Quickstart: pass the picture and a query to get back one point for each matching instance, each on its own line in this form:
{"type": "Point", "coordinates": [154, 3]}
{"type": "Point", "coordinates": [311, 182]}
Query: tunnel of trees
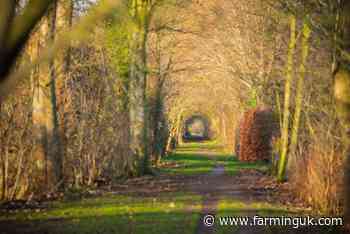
{"type": "Point", "coordinates": [103, 90]}
{"type": "Point", "coordinates": [197, 128]}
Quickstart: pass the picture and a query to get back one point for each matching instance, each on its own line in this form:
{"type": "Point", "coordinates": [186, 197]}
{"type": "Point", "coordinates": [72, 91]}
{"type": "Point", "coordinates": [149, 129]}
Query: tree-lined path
{"type": "Point", "coordinates": [146, 116]}
{"type": "Point", "coordinates": [198, 179]}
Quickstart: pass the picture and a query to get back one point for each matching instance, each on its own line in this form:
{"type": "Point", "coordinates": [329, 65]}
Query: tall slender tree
{"type": "Point", "coordinates": [287, 95]}
{"type": "Point", "coordinates": [299, 93]}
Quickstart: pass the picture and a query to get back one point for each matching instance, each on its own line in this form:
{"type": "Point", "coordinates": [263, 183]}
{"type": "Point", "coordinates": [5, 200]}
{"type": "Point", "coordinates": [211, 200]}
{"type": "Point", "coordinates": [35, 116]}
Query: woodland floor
{"type": "Point", "coordinates": [198, 179]}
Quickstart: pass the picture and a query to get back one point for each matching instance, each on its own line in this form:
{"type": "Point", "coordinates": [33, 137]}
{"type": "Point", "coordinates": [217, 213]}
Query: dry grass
{"type": "Point", "coordinates": [319, 178]}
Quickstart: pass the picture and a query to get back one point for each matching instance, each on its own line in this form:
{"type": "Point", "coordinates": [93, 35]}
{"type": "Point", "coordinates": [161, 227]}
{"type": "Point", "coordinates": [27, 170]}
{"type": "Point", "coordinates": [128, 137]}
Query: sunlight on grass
{"type": "Point", "coordinates": [193, 158]}
{"type": "Point", "coordinates": [200, 158]}
{"type": "Point", "coordinates": [233, 165]}
{"type": "Point", "coordinates": [209, 145]}
{"type": "Point", "coordinates": [118, 214]}
{"type": "Point", "coordinates": [186, 163]}
{"type": "Point", "coordinates": [235, 208]}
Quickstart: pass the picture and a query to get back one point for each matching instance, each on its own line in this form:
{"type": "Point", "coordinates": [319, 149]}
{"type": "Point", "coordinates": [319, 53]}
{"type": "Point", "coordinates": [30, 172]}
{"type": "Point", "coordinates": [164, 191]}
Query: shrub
{"type": "Point", "coordinates": [257, 129]}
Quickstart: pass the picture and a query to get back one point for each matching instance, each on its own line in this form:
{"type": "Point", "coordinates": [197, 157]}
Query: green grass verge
{"type": "Point", "coordinates": [115, 214]}
{"type": "Point", "coordinates": [200, 158]}
{"type": "Point", "coordinates": [167, 213]}
{"type": "Point", "coordinates": [202, 145]}
{"type": "Point", "coordinates": [235, 208]}
{"type": "Point", "coordinates": [233, 165]}
{"type": "Point", "coordinates": [187, 163]}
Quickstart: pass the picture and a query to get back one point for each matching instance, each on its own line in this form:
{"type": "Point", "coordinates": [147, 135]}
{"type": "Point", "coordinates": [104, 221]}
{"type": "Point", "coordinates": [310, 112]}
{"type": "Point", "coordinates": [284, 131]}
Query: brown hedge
{"type": "Point", "coordinates": [257, 128]}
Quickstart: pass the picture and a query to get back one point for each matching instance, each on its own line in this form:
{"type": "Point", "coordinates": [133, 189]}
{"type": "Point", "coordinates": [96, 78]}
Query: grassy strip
{"type": "Point", "coordinates": [113, 214]}
{"type": "Point", "coordinates": [187, 163]}
{"type": "Point", "coordinates": [233, 165]}
{"type": "Point", "coordinates": [236, 208]}
{"type": "Point", "coordinates": [200, 158]}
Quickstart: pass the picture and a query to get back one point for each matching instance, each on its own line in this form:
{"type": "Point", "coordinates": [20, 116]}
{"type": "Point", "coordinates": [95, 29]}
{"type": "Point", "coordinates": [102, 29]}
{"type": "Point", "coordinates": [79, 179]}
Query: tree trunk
{"type": "Point", "coordinates": [64, 23]}
{"type": "Point", "coordinates": [179, 130]}
{"type": "Point", "coordinates": [170, 140]}
{"type": "Point", "coordinates": [224, 129]}
{"type": "Point", "coordinates": [138, 106]}
{"type": "Point", "coordinates": [137, 102]}
{"type": "Point", "coordinates": [299, 96]}
{"type": "Point", "coordinates": [15, 32]}
{"type": "Point", "coordinates": [157, 118]}
{"type": "Point", "coordinates": [287, 94]}
{"type": "Point", "coordinates": [62, 62]}
{"type": "Point", "coordinates": [342, 95]}
{"type": "Point", "coordinates": [47, 152]}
